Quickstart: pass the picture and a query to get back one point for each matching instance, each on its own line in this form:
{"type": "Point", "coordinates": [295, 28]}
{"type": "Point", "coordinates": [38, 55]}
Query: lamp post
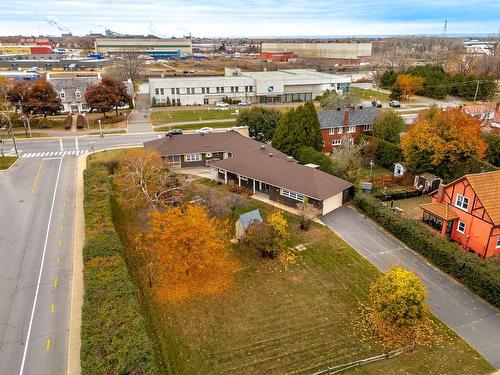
{"type": "Point", "coordinates": [100, 128]}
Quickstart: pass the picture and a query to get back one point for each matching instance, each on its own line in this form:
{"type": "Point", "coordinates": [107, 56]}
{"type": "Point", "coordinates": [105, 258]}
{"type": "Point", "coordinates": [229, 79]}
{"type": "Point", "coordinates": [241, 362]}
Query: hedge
{"type": "Point", "coordinates": [80, 122]}
{"type": "Point", "coordinates": [480, 276]}
{"type": "Point", "coordinates": [68, 122]}
{"type": "Point", "coordinates": [114, 336]}
{"type": "Point", "coordinates": [309, 155]}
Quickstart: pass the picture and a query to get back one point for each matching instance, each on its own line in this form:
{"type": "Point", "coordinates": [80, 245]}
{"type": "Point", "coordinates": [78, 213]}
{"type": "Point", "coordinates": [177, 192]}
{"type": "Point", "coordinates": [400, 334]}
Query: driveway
{"type": "Point", "coordinates": [474, 320]}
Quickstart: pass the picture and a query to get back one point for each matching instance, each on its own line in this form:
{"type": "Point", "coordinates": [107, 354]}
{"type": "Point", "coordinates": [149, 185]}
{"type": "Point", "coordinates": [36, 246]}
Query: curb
{"type": "Point", "coordinates": [74, 340]}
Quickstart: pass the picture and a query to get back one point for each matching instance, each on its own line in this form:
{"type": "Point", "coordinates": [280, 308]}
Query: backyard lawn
{"type": "Point", "coordinates": [7, 161]}
{"type": "Point", "coordinates": [411, 206]}
{"type": "Point", "coordinates": [298, 314]}
{"type": "Point", "coordinates": [370, 95]}
{"type": "Point", "coordinates": [200, 114]}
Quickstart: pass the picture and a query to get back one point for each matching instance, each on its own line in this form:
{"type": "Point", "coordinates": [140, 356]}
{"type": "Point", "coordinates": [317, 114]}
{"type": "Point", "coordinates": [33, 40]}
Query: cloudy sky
{"type": "Point", "coordinates": [249, 17]}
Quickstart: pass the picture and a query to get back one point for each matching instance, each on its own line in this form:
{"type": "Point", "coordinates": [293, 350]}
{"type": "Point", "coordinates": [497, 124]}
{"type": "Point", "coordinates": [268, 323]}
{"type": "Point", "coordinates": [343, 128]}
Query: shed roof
{"type": "Point", "coordinates": [250, 217]}
{"type": "Point", "coordinates": [440, 209]}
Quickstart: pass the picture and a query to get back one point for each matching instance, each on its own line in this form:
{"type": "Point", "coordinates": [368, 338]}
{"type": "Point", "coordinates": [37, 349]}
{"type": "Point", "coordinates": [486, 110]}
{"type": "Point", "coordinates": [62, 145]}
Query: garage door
{"type": "Point", "coordinates": [332, 203]}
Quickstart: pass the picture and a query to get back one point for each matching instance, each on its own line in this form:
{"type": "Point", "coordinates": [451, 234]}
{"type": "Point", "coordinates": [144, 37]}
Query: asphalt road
{"type": "Point", "coordinates": [36, 257]}
{"type": "Point", "coordinates": [473, 319]}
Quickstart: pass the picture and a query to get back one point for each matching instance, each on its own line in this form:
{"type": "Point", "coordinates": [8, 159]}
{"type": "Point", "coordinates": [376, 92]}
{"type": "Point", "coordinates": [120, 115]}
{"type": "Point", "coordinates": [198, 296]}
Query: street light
{"type": "Point", "coordinates": [100, 128]}
{"type": "Point", "coordinates": [11, 132]}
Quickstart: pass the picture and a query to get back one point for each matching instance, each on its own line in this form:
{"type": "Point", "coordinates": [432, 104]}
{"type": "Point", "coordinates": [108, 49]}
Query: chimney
{"type": "Point", "coordinates": [440, 194]}
{"type": "Point", "coordinates": [346, 117]}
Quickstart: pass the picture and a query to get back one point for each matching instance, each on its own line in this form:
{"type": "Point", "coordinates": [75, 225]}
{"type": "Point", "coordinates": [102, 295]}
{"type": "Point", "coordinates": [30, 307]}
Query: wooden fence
{"type": "Point", "coordinates": [362, 362]}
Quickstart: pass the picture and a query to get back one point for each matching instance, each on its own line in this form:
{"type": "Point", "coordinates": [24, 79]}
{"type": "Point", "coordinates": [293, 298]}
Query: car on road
{"type": "Point", "coordinates": [204, 130]}
{"type": "Point", "coordinates": [394, 104]}
{"type": "Point", "coordinates": [244, 103]}
{"type": "Point", "coordinates": [221, 104]}
{"type": "Point", "coordinates": [174, 132]}
{"type": "Point", "coordinates": [376, 104]}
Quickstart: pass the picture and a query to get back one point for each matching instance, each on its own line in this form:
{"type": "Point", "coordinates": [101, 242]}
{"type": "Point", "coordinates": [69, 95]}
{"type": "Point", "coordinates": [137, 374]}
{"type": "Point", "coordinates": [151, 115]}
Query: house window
{"type": "Point", "coordinates": [218, 90]}
{"type": "Point", "coordinates": [222, 90]}
{"type": "Point", "coordinates": [462, 202]}
{"type": "Point", "coordinates": [172, 91]}
{"type": "Point", "coordinates": [336, 142]}
{"type": "Point", "coordinates": [293, 195]}
{"type": "Point", "coordinates": [208, 90]}
{"type": "Point", "coordinates": [498, 242]}
{"type": "Point", "coordinates": [232, 88]}
{"type": "Point", "coordinates": [78, 95]}
{"type": "Point", "coordinates": [367, 127]}
{"type": "Point", "coordinates": [157, 91]}
{"type": "Point", "coordinates": [461, 227]}
{"type": "Point", "coordinates": [236, 88]}
{"type": "Point", "coordinates": [352, 128]}
{"type": "Point", "coordinates": [62, 95]}
{"type": "Point", "coordinates": [202, 90]}
{"type": "Point", "coordinates": [177, 91]}
{"type": "Point", "coordinates": [250, 88]}
{"type": "Point", "coordinates": [331, 131]}
{"type": "Point", "coordinates": [193, 157]}
{"type": "Point", "coordinates": [340, 130]}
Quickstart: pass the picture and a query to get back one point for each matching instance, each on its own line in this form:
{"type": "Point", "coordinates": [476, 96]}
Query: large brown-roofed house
{"type": "Point", "coordinates": [467, 211]}
{"type": "Point", "coordinates": [255, 165]}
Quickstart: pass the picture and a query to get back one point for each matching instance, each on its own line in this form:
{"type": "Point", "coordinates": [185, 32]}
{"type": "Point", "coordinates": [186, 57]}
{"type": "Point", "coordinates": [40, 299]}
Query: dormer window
{"type": "Point", "coordinates": [62, 95]}
{"type": "Point", "coordinates": [78, 95]}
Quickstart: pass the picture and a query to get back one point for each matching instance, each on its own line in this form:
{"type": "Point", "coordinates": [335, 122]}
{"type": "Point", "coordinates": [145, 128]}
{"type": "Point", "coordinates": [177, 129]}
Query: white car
{"type": "Point", "coordinates": [205, 130]}
{"type": "Point", "coordinates": [243, 103]}
{"type": "Point", "coordinates": [221, 104]}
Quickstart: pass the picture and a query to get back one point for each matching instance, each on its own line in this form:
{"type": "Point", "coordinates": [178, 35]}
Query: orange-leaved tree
{"type": "Point", "coordinates": [187, 253]}
{"type": "Point", "coordinates": [442, 137]}
{"type": "Point", "coordinates": [409, 84]}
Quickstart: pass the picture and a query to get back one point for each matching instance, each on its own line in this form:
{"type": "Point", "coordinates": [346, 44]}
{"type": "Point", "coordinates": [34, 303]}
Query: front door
{"type": "Point", "coordinates": [74, 108]}
{"type": "Point", "coordinates": [449, 228]}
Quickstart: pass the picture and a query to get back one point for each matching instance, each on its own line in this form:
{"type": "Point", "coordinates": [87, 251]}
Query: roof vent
{"type": "Point", "coordinates": [262, 147]}
{"type": "Point", "coordinates": [271, 154]}
{"type": "Point", "coordinates": [289, 158]}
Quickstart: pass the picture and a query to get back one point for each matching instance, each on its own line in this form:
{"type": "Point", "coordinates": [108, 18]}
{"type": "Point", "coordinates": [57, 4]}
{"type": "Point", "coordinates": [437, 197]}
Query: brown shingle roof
{"type": "Point", "coordinates": [231, 141]}
{"type": "Point", "coordinates": [487, 187]}
{"type": "Point", "coordinates": [308, 181]}
{"type": "Point", "coordinates": [441, 210]}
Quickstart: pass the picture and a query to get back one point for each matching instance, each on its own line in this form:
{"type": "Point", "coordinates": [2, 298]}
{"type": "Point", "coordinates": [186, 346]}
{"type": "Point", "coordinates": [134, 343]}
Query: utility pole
{"type": "Point", "coordinates": [477, 89]}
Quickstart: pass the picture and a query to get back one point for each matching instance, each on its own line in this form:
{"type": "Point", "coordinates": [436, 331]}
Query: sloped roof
{"type": "Point", "coordinates": [440, 209]}
{"type": "Point", "coordinates": [230, 141]}
{"type": "Point", "coordinates": [332, 118]}
{"type": "Point", "coordinates": [72, 84]}
{"type": "Point", "coordinates": [288, 175]}
{"type": "Point", "coordinates": [487, 187]}
{"type": "Point", "coordinates": [250, 217]}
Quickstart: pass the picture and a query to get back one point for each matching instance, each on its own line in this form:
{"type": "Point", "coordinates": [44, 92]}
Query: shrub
{"type": "Point", "coordinates": [68, 122]}
{"type": "Point", "coordinates": [482, 277]}
{"type": "Point", "coordinates": [307, 213]}
{"type": "Point", "coordinates": [399, 297]}
{"type": "Point", "coordinates": [309, 155]}
{"type": "Point", "coordinates": [268, 237]}
{"type": "Point", "coordinates": [80, 122]}
{"type": "Point", "coordinates": [235, 188]}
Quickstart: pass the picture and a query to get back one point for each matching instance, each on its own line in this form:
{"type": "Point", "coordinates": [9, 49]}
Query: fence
{"type": "Point", "coordinates": [362, 362]}
{"type": "Point", "coordinates": [399, 195]}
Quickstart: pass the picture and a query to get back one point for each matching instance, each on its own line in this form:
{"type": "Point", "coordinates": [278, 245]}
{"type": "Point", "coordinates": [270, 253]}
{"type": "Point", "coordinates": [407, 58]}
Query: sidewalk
{"type": "Point", "coordinates": [139, 120]}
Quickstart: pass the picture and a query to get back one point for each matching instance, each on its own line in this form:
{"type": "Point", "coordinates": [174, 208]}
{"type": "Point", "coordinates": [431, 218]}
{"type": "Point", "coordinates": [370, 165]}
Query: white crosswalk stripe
{"type": "Point", "coordinates": [52, 154]}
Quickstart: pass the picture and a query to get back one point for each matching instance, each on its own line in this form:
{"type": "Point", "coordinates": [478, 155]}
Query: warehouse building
{"type": "Point", "coordinates": [154, 47]}
{"type": "Point", "coordinates": [282, 86]}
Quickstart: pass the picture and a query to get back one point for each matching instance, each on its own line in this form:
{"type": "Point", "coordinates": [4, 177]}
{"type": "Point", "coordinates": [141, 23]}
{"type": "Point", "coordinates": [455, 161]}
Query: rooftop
{"type": "Point", "coordinates": [332, 118]}
{"type": "Point", "coordinates": [285, 174]}
{"type": "Point", "coordinates": [250, 217]}
{"type": "Point", "coordinates": [441, 210]}
{"type": "Point", "coordinates": [487, 187]}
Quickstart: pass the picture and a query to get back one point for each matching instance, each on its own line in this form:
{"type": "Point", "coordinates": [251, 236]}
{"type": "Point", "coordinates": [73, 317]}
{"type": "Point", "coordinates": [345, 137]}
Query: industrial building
{"type": "Point", "coordinates": [50, 62]}
{"type": "Point", "coordinates": [352, 52]}
{"type": "Point", "coordinates": [25, 49]}
{"type": "Point", "coordinates": [281, 86]}
{"type": "Point", "coordinates": [154, 47]}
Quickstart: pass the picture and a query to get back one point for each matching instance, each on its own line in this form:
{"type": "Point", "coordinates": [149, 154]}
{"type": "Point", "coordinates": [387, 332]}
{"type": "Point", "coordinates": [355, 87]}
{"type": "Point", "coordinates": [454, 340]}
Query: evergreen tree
{"type": "Point", "coordinates": [396, 92]}
{"type": "Point", "coordinates": [311, 127]}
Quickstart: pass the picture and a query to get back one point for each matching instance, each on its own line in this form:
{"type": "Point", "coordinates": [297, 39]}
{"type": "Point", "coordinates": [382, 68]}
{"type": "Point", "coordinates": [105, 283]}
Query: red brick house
{"type": "Point", "coordinates": [336, 123]}
{"type": "Point", "coordinates": [467, 211]}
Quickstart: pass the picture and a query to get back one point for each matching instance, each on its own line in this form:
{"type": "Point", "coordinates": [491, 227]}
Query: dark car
{"type": "Point", "coordinates": [174, 132]}
{"type": "Point", "coordinates": [376, 104]}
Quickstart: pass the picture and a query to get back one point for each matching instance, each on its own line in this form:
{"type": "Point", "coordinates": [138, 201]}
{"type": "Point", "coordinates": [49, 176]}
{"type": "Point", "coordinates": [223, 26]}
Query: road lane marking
{"type": "Point", "coordinates": [52, 308]}
{"type": "Point", "coordinates": [60, 243]}
{"type": "Point", "coordinates": [48, 344]}
{"type": "Point", "coordinates": [58, 260]}
{"type": "Point", "coordinates": [62, 227]}
{"type": "Point", "coordinates": [56, 280]}
{"type": "Point", "coordinates": [76, 144]}
{"type": "Point", "coordinates": [21, 371]}
{"type": "Point", "coordinates": [61, 144]}
{"type": "Point", "coordinates": [36, 177]}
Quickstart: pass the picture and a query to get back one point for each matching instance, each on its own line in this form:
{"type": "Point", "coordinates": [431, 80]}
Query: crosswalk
{"type": "Point", "coordinates": [52, 154]}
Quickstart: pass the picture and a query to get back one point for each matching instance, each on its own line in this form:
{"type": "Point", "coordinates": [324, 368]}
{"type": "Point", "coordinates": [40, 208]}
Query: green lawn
{"type": "Point", "coordinates": [7, 161]}
{"type": "Point", "coordinates": [371, 95]}
{"type": "Point", "coordinates": [298, 317]}
{"type": "Point", "coordinates": [226, 124]}
{"type": "Point", "coordinates": [376, 172]}
{"type": "Point", "coordinates": [162, 117]}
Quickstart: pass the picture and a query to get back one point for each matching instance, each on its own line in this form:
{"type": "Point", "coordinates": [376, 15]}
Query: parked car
{"type": "Point", "coordinates": [243, 103]}
{"type": "Point", "coordinates": [376, 104]}
{"type": "Point", "coordinates": [221, 104]}
{"type": "Point", "coordinates": [174, 132]}
{"type": "Point", "coordinates": [394, 104]}
{"type": "Point", "coordinates": [204, 130]}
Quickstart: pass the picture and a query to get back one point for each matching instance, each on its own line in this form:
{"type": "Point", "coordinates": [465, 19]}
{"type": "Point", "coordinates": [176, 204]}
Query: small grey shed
{"type": "Point", "coordinates": [245, 220]}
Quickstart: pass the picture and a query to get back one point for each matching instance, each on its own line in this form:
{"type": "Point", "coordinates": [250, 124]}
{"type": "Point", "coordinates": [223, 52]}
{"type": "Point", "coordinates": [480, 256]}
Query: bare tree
{"type": "Point", "coordinates": [129, 66]}
{"type": "Point", "coordinates": [307, 213]}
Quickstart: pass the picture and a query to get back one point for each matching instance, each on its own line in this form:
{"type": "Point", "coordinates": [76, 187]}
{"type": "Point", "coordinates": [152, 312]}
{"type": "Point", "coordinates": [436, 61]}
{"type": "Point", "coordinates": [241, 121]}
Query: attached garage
{"type": "Point", "coordinates": [332, 203]}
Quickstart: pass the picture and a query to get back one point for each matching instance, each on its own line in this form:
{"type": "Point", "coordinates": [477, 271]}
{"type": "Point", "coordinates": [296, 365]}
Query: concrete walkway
{"type": "Point", "coordinates": [139, 120]}
{"type": "Point", "coordinates": [474, 320]}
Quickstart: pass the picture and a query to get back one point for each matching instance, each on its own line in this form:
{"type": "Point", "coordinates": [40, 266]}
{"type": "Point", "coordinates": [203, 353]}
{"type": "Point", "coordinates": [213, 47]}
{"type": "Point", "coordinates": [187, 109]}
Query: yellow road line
{"type": "Point", "coordinates": [55, 281]}
{"type": "Point", "coordinates": [60, 243]}
{"type": "Point", "coordinates": [62, 215]}
{"type": "Point", "coordinates": [48, 344]}
{"type": "Point", "coordinates": [36, 177]}
{"type": "Point", "coordinates": [62, 227]}
{"type": "Point", "coordinates": [58, 260]}
{"type": "Point", "coordinates": [52, 308]}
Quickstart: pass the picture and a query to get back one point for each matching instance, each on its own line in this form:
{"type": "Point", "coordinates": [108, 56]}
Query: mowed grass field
{"type": "Point", "coordinates": [293, 316]}
{"type": "Point", "coordinates": [215, 125]}
{"type": "Point", "coordinates": [365, 94]}
{"type": "Point", "coordinates": [7, 161]}
{"type": "Point", "coordinates": [184, 115]}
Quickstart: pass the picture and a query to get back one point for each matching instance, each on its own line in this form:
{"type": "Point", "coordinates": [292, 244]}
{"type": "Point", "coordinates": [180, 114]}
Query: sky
{"type": "Point", "coordinates": [249, 18]}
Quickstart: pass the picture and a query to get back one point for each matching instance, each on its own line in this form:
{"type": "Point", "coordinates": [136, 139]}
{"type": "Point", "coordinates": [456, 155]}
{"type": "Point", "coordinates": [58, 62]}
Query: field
{"type": "Point", "coordinates": [198, 125]}
{"type": "Point", "coordinates": [370, 95]}
{"type": "Point", "coordinates": [298, 315]}
{"type": "Point", "coordinates": [7, 161]}
{"type": "Point", "coordinates": [190, 115]}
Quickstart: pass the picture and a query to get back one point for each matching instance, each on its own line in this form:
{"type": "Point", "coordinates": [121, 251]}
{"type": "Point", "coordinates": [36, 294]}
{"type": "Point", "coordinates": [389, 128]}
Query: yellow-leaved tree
{"type": "Point", "coordinates": [409, 84]}
{"type": "Point", "coordinates": [187, 253]}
